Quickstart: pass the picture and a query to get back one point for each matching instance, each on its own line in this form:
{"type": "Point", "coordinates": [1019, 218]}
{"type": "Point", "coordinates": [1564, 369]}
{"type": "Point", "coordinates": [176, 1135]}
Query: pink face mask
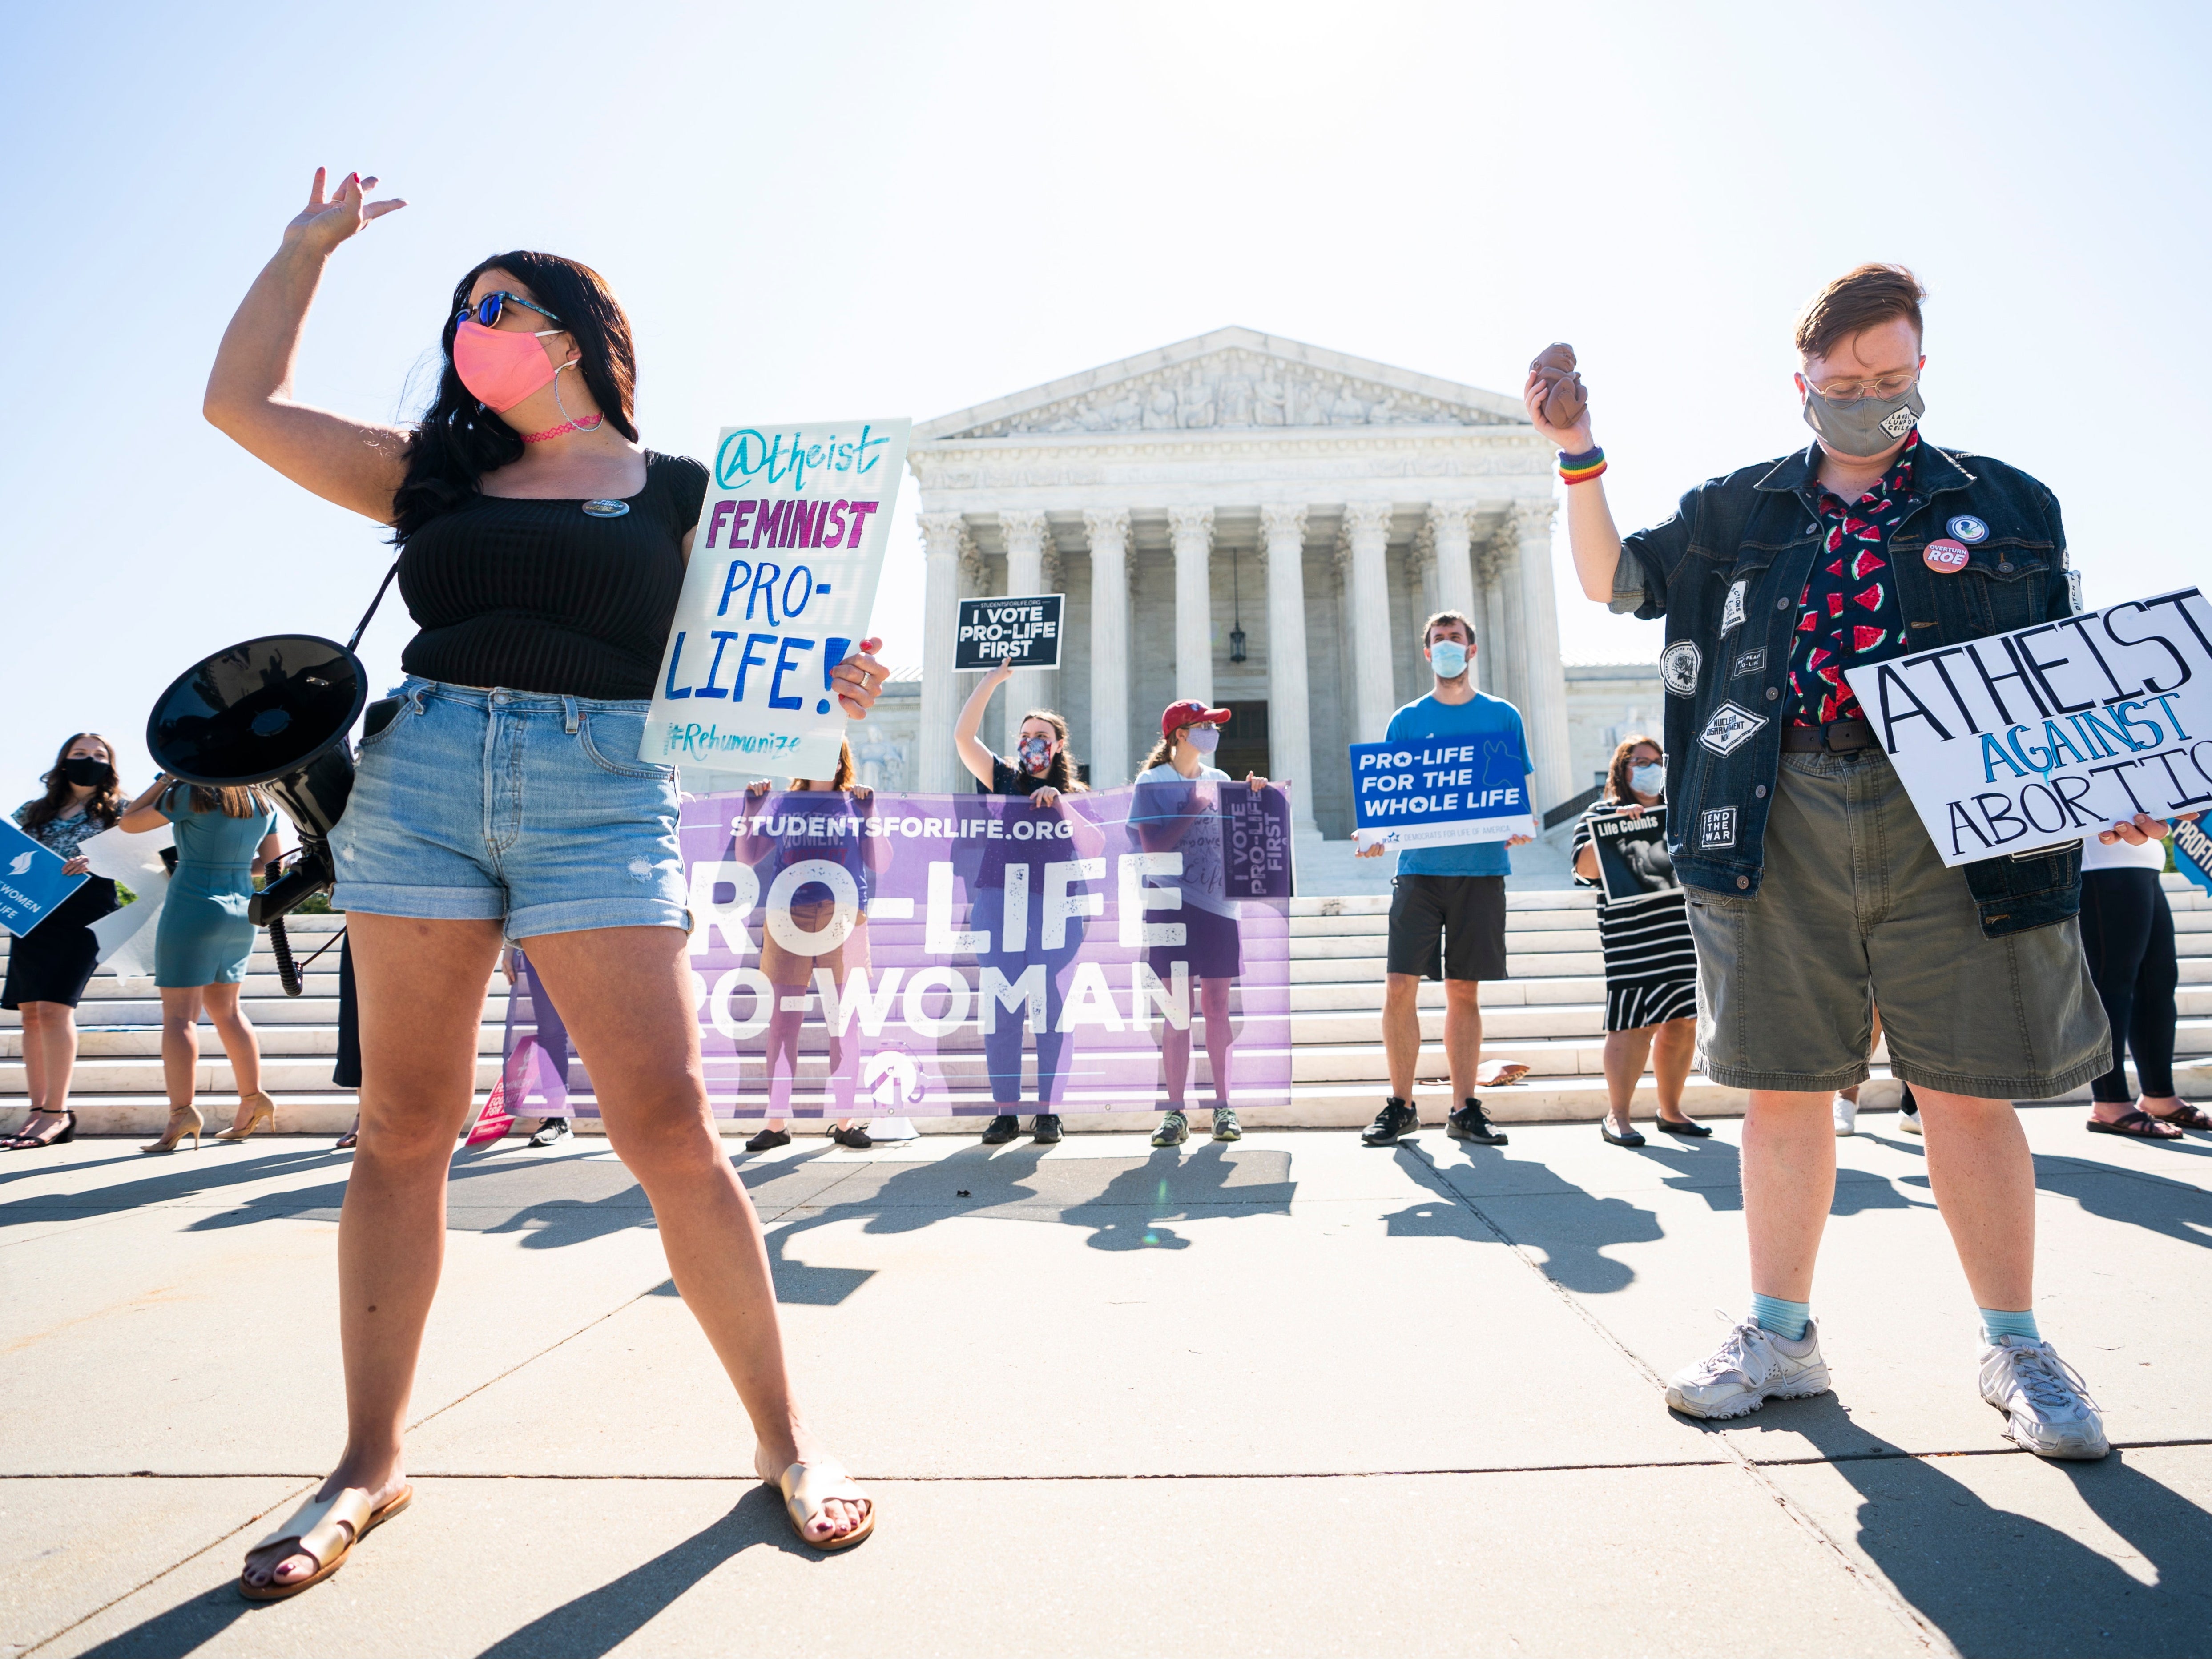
{"type": "Point", "coordinates": [500, 366]}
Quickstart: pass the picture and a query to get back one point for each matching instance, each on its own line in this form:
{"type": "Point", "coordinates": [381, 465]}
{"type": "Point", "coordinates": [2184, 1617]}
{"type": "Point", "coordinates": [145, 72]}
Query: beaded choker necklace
{"type": "Point", "coordinates": [589, 424]}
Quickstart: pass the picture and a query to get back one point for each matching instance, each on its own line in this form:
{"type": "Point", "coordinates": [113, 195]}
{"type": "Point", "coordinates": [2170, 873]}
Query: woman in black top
{"type": "Point", "coordinates": [542, 551]}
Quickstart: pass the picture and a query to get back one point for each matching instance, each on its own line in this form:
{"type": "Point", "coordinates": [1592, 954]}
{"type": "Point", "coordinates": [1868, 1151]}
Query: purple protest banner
{"type": "Point", "coordinates": [931, 956]}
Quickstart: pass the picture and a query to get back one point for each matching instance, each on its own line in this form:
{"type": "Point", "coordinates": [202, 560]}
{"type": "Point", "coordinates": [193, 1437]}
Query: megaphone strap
{"type": "Point", "coordinates": [362, 628]}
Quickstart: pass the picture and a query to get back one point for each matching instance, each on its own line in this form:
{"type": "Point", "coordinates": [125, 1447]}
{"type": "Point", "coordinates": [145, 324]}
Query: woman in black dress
{"type": "Point", "coordinates": [499, 797]}
{"type": "Point", "coordinates": [49, 968]}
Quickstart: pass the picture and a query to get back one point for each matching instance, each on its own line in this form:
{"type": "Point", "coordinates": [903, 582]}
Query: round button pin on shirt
{"type": "Point", "coordinates": [607, 509]}
{"type": "Point", "coordinates": [1945, 557]}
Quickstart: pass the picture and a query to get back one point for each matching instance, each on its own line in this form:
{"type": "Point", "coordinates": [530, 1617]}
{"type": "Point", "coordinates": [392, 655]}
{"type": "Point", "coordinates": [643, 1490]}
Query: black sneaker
{"type": "Point", "coordinates": [855, 1136]}
{"type": "Point", "coordinates": [1225, 1126]}
{"type": "Point", "coordinates": [552, 1130]}
{"type": "Point", "coordinates": [1045, 1131]}
{"type": "Point", "coordinates": [767, 1139]}
{"type": "Point", "coordinates": [1174, 1130]}
{"type": "Point", "coordinates": [1471, 1122]}
{"type": "Point", "coordinates": [1001, 1129]}
{"type": "Point", "coordinates": [1396, 1118]}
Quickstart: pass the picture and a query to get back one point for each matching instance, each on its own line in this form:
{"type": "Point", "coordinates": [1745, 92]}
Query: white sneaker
{"type": "Point", "coordinates": [1909, 1121]}
{"type": "Point", "coordinates": [1847, 1115]}
{"type": "Point", "coordinates": [892, 1128]}
{"type": "Point", "coordinates": [1751, 1368]}
{"type": "Point", "coordinates": [2047, 1407]}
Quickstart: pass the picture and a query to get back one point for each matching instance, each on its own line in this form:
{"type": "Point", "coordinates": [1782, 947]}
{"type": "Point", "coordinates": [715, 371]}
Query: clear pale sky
{"type": "Point", "coordinates": [832, 210]}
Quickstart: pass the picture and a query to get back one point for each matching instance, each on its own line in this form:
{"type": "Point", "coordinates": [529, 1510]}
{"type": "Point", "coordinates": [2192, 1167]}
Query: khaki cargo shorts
{"type": "Point", "coordinates": [1855, 912]}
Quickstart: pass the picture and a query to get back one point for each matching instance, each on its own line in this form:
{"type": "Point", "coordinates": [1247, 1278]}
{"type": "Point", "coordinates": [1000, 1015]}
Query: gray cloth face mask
{"type": "Point", "coordinates": [1867, 427]}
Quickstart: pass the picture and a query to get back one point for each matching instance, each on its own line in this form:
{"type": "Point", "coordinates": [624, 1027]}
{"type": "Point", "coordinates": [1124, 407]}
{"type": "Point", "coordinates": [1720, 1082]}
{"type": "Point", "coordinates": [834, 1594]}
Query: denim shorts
{"type": "Point", "coordinates": [513, 806]}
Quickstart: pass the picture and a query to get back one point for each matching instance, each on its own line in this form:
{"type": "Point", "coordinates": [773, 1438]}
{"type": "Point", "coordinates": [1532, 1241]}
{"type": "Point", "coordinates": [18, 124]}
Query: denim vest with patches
{"type": "Point", "coordinates": [1726, 570]}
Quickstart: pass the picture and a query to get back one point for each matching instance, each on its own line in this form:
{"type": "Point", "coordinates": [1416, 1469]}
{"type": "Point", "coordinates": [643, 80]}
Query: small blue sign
{"type": "Point", "coordinates": [32, 884]}
{"type": "Point", "coordinates": [2192, 853]}
{"type": "Point", "coordinates": [1440, 792]}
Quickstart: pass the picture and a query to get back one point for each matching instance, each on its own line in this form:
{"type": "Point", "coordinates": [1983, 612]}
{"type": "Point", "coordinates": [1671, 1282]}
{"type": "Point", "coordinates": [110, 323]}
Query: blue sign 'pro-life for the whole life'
{"type": "Point", "coordinates": [1439, 792]}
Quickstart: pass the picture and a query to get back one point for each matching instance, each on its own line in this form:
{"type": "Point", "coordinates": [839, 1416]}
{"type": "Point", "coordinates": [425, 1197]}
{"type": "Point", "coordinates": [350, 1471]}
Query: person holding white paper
{"type": "Point", "coordinates": [1815, 891]}
{"type": "Point", "coordinates": [500, 796]}
{"type": "Point", "coordinates": [1447, 903]}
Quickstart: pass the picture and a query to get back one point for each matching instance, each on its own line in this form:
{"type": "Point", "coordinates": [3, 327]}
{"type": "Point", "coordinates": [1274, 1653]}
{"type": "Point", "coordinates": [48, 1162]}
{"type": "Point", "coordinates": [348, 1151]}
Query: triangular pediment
{"type": "Point", "coordinates": [1233, 378]}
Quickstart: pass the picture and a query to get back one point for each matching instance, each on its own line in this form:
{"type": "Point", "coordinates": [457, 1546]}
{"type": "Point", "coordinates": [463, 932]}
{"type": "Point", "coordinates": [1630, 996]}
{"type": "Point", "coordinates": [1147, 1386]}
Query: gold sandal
{"type": "Point", "coordinates": [807, 1488]}
{"type": "Point", "coordinates": [265, 1115]}
{"type": "Point", "coordinates": [325, 1529]}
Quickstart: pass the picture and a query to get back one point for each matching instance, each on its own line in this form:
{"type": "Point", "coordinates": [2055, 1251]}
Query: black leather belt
{"type": "Point", "coordinates": [1837, 735]}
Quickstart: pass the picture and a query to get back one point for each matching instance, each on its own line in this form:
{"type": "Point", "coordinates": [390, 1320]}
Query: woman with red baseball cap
{"type": "Point", "coordinates": [1177, 809]}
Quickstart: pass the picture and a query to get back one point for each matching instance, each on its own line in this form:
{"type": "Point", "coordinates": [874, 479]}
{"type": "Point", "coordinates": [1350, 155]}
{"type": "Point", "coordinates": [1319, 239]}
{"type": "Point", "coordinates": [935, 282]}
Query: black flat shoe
{"type": "Point", "coordinates": [1001, 1129]}
{"type": "Point", "coordinates": [1632, 1139]}
{"type": "Point", "coordinates": [768, 1141]}
{"type": "Point", "coordinates": [856, 1137]}
{"type": "Point", "coordinates": [1694, 1131]}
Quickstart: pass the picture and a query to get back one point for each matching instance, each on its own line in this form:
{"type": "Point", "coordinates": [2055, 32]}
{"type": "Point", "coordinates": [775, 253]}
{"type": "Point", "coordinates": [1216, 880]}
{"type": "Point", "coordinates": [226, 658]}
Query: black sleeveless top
{"type": "Point", "coordinates": [541, 596]}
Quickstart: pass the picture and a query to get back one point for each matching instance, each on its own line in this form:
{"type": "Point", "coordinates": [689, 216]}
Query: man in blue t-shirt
{"type": "Point", "coordinates": [1447, 903]}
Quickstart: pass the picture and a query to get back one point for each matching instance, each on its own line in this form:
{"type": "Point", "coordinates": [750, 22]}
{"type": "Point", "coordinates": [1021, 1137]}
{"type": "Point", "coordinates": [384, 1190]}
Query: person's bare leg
{"type": "Point", "coordinates": [1175, 1059]}
{"type": "Point", "coordinates": [1213, 1002]}
{"type": "Point", "coordinates": [49, 1052]}
{"type": "Point", "coordinates": [1401, 1031]}
{"type": "Point", "coordinates": [421, 989]}
{"type": "Point", "coordinates": [35, 1054]}
{"type": "Point", "coordinates": [180, 1044]}
{"type": "Point", "coordinates": [1625, 1054]}
{"type": "Point", "coordinates": [1673, 1052]}
{"type": "Point", "coordinates": [627, 994]}
{"type": "Point", "coordinates": [240, 1046]}
{"type": "Point", "coordinates": [1983, 1178]}
{"type": "Point", "coordinates": [1789, 1184]}
{"type": "Point", "coordinates": [1462, 1036]}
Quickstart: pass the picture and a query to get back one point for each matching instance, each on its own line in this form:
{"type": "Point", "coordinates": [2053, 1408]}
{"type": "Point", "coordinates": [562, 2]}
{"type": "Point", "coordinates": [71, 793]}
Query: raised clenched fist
{"type": "Point", "coordinates": [1565, 401]}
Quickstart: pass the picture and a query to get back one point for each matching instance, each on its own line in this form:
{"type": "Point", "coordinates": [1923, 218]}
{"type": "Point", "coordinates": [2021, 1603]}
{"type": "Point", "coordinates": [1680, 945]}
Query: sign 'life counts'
{"type": "Point", "coordinates": [2034, 739]}
{"type": "Point", "coordinates": [781, 582]}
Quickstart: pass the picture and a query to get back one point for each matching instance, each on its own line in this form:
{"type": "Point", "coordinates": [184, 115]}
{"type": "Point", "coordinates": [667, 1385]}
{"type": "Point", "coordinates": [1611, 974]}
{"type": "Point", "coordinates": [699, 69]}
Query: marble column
{"type": "Point", "coordinates": [1367, 529]}
{"type": "Point", "coordinates": [1450, 524]}
{"type": "Point", "coordinates": [936, 765]}
{"type": "Point", "coordinates": [1290, 727]}
{"type": "Point", "coordinates": [1505, 551]}
{"type": "Point", "coordinates": [1193, 529]}
{"type": "Point", "coordinates": [1108, 753]}
{"type": "Point", "coordinates": [1025, 537]}
{"type": "Point", "coordinates": [1545, 714]}
{"type": "Point", "coordinates": [1490, 662]}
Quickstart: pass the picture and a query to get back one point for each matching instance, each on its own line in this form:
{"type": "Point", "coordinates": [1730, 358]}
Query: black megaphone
{"type": "Point", "coordinates": [273, 712]}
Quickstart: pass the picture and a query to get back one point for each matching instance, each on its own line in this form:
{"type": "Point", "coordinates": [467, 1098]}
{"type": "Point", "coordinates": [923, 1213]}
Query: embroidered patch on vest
{"type": "Point", "coordinates": [1748, 662]}
{"type": "Point", "coordinates": [1732, 610]}
{"type": "Point", "coordinates": [1731, 727]}
{"type": "Point", "coordinates": [1717, 828]}
{"type": "Point", "coordinates": [1678, 667]}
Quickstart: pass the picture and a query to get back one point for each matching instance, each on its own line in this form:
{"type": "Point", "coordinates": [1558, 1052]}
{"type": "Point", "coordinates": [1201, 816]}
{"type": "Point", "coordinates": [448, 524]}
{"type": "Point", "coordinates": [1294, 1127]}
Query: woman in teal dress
{"type": "Point", "coordinates": [224, 837]}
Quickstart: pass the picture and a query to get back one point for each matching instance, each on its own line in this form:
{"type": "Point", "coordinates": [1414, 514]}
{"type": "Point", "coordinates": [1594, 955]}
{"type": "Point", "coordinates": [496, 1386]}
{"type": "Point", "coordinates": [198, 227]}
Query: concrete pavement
{"type": "Point", "coordinates": [1291, 1395]}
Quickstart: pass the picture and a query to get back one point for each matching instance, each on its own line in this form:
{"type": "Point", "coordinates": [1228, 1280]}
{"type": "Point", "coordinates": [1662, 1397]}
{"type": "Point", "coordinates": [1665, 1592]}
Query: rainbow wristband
{"type": "Point", "coordinates": [1581, 469]}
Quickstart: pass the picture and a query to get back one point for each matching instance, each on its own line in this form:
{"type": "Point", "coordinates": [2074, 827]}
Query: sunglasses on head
{"type": "Point", "coordinates": [487, 310]}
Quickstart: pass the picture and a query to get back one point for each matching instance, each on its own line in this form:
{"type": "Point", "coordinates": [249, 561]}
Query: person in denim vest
{"type": "Point", "coordinates": [1814, 890]}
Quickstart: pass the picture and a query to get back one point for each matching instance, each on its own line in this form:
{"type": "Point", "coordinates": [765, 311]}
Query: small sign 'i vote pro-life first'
{"type": "Point", "coordinates": [781, 582]}
{"type": "Point", "coordinates": [1019, 632]}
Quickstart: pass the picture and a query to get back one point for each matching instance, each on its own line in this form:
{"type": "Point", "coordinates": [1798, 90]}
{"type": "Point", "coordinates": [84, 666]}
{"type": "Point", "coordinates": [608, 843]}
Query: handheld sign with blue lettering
{"type": "Point", "coordinates": [782, 582]}
{"type": "Point", "coordinates": [2032, 739]}
{"type": "Point", "coordinates": [32, 884]}
{"type": "Point", "coordinates": [2192, 853]}
{"type": "Point", "coordinates": [1439, 792]}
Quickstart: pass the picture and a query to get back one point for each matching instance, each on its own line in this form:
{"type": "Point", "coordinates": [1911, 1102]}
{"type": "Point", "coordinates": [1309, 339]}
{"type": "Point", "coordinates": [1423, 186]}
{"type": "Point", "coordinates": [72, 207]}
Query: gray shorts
{"type": "Point", "coordinates": [1855, 912]}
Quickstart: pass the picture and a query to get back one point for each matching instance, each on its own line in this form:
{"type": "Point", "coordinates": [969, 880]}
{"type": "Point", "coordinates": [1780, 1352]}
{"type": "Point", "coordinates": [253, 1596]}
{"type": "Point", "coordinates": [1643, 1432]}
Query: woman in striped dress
{"type": "Point", "coordinates": [1650, 962]}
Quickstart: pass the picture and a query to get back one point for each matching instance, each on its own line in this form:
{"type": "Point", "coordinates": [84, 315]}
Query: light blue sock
{"type": "Point", "coordinates": [1996, 1324]}
{"type": "Point", "coordinates": [1787, 1319]}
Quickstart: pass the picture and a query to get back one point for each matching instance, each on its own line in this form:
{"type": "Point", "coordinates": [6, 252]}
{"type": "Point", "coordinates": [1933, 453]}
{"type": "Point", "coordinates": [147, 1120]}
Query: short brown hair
{"type": "Point", "coordinates": [1857, 301]}
{"type": "Point", "coordinates": [1617, 769]}
{"type": "Point", "coordinates": [1429, 627]}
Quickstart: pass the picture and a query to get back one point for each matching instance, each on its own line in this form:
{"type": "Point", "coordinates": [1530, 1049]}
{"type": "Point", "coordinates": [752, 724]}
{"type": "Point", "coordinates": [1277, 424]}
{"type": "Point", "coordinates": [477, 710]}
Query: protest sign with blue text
{"type": "Point", "coordinates": [783, 577]}
{"type": "Point", "coordinates": [31, 881]}
{"type": "Point", "coordinates": [2034, 739]}
{"type": "Point", "coordinates": [1439, 792]}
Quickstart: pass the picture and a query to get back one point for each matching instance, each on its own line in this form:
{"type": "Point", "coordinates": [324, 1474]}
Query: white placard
{"type": "Point", "coordinates": [2034, 739]}
{"type": "Point", "coordinates": [127, 936]}
{"type": "Point", "coordinates": [779, 587]}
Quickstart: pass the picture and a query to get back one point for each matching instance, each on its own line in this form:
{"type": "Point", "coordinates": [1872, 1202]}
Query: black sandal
{"type": "Point", "coordinates": [2135, 1126]}
{"type": "Point", "coordinates": [31, 1143]}
{"type": "Point", "coordinates": [2189, 1117]}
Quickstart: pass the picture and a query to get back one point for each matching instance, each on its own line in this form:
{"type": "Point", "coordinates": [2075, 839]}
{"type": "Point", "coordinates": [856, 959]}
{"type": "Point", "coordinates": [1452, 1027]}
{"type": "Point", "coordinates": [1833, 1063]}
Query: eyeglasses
{"type": "Point", "coordinates": [487, 310]}
{"type": "Point", "coordinates": [1852, 391]}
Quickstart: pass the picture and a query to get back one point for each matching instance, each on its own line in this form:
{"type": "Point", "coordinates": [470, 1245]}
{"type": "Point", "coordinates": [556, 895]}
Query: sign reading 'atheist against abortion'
{"type": "Point", "coordinates": [2037, 738]}
{"type": "Point", "coordinates": [1434, 792]}
{"type": "Point", "coordinates": [779, 590]}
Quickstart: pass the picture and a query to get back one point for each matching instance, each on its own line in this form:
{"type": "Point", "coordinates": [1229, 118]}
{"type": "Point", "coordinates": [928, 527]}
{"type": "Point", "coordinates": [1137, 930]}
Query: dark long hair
{"type": "Point", "coordinates": [457, 440]}
{"type": "Point", "coordinates": [1062, 774]}
{"type": "Point", "coordinates": [106, 805]}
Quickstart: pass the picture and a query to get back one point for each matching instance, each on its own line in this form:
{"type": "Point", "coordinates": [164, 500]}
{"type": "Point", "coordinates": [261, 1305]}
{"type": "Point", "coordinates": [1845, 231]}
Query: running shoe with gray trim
{"type": "Point", "coordinates": [1752, 1367]}
{"type": "Point", "coordinates": [2047, 1405]}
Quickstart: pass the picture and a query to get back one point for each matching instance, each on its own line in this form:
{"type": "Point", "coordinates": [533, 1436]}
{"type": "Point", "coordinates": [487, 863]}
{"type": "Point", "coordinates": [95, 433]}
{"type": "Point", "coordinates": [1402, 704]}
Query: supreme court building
{"type": "Point", "coordinates": [1254, 522]}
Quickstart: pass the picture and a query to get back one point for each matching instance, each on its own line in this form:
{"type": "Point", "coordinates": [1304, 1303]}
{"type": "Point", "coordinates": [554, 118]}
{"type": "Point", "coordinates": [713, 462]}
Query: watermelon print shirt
{"type": "Point", "coordinates": [1849, 614]}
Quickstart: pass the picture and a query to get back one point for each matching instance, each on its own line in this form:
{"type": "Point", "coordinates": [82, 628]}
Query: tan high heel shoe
{"type": "Point", "coordinates": [183, 1121]}
{"type": "Point", "coordinates": [265, 1113]}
